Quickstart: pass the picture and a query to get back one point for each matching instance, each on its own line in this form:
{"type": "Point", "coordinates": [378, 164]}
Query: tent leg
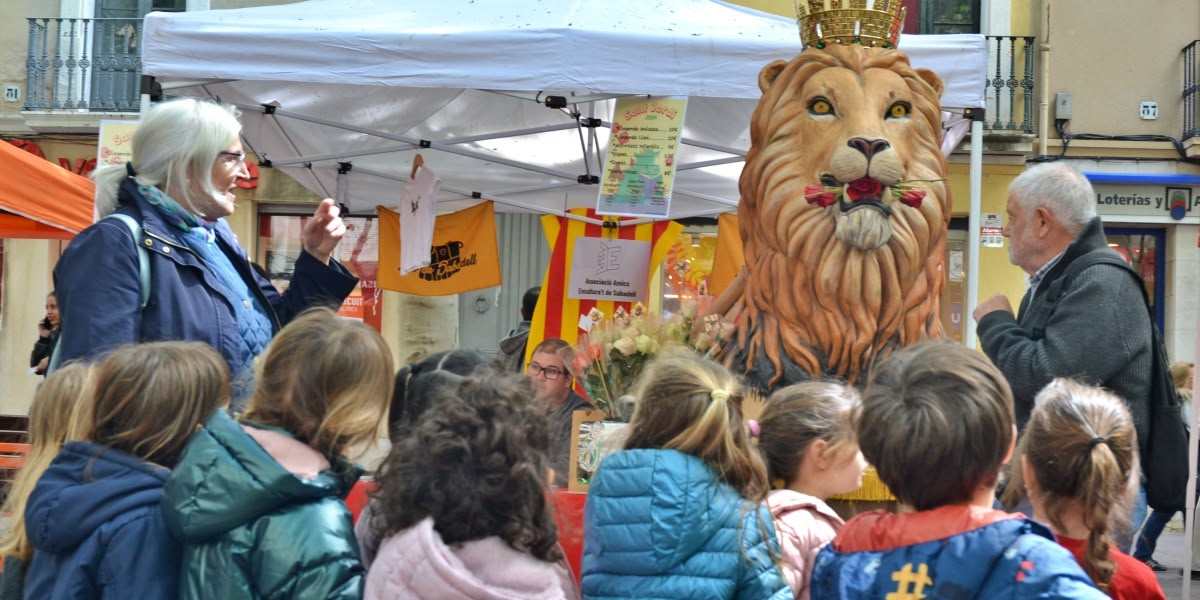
{"type": "Point", "coordinates": [973, 218]}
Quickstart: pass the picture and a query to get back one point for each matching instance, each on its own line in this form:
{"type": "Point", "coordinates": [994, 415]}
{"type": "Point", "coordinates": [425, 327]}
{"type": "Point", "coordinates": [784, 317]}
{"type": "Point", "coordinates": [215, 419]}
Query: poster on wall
{"type": "Point", "coordinates": [640, 169]}
{"type": "Point", "coordinates": [991, 230]}
{"type": "Point", "coordinates": [610, 269]}
{"type": "Point", "coordinates": [116, 142]}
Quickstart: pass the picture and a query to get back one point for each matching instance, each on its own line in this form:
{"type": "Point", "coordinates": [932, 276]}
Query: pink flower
{"type": "Point", "coordinates": [816, 194]}
{"type": "Point", "coordinates": [912, 198]}
{"type": "Point", "coordinates": [864, 188]}
{"type": "Point", "coordinates": [625, 346]}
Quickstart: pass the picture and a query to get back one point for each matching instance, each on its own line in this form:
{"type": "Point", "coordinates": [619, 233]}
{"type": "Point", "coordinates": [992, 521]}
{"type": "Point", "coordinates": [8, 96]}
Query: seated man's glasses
{"type": "Point", "coordinates": [550, 373]}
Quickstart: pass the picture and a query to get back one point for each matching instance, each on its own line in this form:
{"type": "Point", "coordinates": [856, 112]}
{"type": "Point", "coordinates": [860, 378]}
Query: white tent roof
{"type": "Point", "coordinates": [368, 82]}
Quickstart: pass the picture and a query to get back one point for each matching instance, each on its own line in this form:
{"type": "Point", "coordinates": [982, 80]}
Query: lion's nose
{"type": "Point", "coordinates": [868, 147]}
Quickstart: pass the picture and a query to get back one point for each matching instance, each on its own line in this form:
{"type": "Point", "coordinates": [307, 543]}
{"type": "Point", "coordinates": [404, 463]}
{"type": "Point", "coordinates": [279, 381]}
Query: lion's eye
{"type": "Point", "coordinates": [820, 106]}
{"type": "Point", "coordinates": [899, 110]}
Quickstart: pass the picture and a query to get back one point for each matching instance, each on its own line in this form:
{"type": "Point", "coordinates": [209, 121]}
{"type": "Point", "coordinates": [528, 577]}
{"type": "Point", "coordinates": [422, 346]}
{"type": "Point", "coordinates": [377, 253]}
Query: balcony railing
{"type": "Point", "coordinates": [83, 65]}
{"type": "Point", "coordinates": [1191, 91]}
{"type": "Point", "coordinates": [1010, 85]}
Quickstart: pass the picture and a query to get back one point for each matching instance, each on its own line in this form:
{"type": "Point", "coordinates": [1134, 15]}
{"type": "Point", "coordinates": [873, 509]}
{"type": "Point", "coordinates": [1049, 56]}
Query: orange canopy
{"type": "Point", "coordinates": [41, 199]}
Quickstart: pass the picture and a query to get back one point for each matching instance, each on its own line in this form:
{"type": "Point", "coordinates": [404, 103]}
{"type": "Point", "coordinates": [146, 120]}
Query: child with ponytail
{"type": "Point", "coordinates": [677, 513]}
{"type": "Point", "coordinates": [1079, 466]}
{"type": "Point", "coordinates": [806, 437]}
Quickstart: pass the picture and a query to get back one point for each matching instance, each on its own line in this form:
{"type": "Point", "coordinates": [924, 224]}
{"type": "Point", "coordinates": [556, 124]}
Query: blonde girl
{"type": "Point", "coordinates": [95, 517]}
{"type": "Point", "coordinates": [58, 414]}
{"type": "Point", "coordinates": [806, 437]}
{"type": "Point", "coordinates": [1079, 468]}
{"type": "Point", "coordinates": [258, 503]}
{"type": "Point", "coordinates": [677, 513]}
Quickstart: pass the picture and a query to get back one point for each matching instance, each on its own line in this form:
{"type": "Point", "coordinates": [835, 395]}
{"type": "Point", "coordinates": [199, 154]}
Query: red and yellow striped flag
{"type": "Point", "coordinates": [557, 315]}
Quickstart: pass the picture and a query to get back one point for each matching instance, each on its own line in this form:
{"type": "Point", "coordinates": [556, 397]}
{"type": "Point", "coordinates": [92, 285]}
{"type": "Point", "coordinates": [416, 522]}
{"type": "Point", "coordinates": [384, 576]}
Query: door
{"type": "Point", "coordinates": [116, 55]}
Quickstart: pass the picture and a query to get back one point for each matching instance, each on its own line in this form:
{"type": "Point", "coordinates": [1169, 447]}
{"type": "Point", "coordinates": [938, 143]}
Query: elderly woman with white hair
{"type": "Point", "coordinates": [187, 158]}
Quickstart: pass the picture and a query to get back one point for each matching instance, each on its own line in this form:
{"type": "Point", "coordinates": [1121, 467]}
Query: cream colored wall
{"type": "Point", "coordinates": [14, 46]}
{"type": "Point", "coordinates": [26, 284]}
{"type": "Point", "coordinates": [1110, 61]}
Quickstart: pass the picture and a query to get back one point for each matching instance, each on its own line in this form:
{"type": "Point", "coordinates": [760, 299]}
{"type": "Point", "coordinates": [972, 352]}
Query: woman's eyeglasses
{"type": "Point", "coordinates": [240, 156]}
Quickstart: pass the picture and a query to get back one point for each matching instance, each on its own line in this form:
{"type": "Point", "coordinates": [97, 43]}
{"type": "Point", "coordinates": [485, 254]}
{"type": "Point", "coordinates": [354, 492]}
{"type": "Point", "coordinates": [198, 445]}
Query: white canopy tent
{"type": "Point", "coordinates": [357, 87]}
{"type": "Point", "coordinates": [368, 83]}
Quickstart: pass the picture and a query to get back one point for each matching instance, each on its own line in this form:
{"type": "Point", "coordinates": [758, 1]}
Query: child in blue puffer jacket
{"type": "Point", "coordinates": [937, 422]}
{"type": "Point", "coordinates": [678, 513]}
{"type": "Point", "coordinates": [95, 517]}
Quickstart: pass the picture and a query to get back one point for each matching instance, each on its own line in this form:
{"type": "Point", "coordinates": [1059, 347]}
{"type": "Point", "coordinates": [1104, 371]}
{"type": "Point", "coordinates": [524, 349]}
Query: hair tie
{"type": "Point", "coordinates": [719, 394]}
{"type": "Point", "coordinates": [1097, 440]}
{"type": "Point", "coordinates": [129, 169]}
{"type": "Point", "coordinates": [754, 427]}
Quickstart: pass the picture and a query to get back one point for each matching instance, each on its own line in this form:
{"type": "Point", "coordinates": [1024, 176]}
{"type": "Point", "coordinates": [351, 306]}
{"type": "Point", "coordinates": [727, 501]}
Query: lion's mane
{"type": "Point", "coordinates": [812, 305]}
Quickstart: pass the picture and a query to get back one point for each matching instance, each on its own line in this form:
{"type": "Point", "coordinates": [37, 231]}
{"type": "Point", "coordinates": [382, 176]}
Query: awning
{"type": "Point", "coordinates": [41, 199]}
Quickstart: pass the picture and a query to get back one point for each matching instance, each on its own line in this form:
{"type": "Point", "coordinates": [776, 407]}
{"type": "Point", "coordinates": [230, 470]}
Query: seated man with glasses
{"type": "Point", "coordinates": [548, 369]}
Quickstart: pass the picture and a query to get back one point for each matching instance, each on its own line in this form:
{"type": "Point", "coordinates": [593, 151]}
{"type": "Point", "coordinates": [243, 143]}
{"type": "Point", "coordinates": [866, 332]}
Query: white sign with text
{"type": "Point", "coordinates": [610, 269]}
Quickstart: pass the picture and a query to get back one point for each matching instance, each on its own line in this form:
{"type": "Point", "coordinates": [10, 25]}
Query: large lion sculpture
{"type": "Point", "coordinates": [843, 217]}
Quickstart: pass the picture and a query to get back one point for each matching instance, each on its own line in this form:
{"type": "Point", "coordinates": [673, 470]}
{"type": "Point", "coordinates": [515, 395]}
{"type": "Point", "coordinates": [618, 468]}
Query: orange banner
{"type": "Point", "coordinates": [464, 255]}
{"type": "Point", "coordinates": [728, 259]}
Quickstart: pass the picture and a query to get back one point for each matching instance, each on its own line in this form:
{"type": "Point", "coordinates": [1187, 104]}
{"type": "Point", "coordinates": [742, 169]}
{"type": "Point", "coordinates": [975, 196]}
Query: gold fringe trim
{"type": "Point", "coordinates": [872, 489]}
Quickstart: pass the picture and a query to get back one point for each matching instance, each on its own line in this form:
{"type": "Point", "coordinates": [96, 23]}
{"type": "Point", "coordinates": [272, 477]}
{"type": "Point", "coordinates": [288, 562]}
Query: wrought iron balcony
{"type": "Point", "coordinates": [1191, 91]}
{"type": "Point", "coordinates": [1010, 90]}
{"type": "Point", "coordinates": [83, 65]}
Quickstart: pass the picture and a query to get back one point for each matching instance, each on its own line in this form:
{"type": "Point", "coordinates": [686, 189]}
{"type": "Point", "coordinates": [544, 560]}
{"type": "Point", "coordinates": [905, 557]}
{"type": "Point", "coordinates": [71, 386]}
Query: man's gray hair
{"type": "Point", "coordinates": [1061, 189]}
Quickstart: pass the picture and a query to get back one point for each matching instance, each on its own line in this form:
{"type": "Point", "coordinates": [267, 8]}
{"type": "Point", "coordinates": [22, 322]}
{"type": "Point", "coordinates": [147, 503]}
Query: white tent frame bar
{"type": "Point", "coordinates": [485, 197]}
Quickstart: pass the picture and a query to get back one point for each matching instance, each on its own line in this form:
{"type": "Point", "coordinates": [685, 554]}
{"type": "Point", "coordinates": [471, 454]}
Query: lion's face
{"type": "Point", "coordinates": [843, 214]}
{"type": "Point", "coordinates": [850, 132]}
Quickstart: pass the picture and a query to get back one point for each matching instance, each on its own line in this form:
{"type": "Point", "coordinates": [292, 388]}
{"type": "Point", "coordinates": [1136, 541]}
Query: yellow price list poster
{"type": "Point", "coordinates": [640, 170]}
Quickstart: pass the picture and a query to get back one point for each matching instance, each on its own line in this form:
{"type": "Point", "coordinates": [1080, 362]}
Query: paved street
{"type": "Point", "coordinates": [1170, 552]}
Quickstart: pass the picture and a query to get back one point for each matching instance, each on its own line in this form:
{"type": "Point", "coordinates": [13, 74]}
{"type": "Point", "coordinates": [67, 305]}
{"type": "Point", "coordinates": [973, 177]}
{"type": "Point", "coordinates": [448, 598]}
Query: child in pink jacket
{"type": "Point", "coordinates": [462, 504]}
{"type": "Point", "coordinates": [806, 437]}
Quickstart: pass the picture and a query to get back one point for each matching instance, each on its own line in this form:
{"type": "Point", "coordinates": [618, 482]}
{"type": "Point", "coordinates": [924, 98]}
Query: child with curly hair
{"type": "Point", "coordinates": [806, 437]}
{"type": "Point", "coordinates": [1079, 467]}
{"type": "Point", "coordinates": [462, 505]}
{"type": "Point", "coordinates": [258, 503]}
{"type": "Point", "coordinates": [678, 513]}
{"type": "Point", "coordinates": [59, 413]}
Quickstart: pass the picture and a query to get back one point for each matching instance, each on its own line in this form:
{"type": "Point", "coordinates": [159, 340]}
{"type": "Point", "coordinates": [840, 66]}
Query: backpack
{"type": "Point", "coordinates": [135, 230]}
{"type": "Point", "coordinates": [1164, 454]}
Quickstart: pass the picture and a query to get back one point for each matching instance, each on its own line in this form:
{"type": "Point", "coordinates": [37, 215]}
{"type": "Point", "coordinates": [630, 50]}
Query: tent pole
{"type": "Point", "coordinates": [497, 199]}
{"type": "Point", "coordinates": [711, 163]}
{"type": "Point", "coordinates": [973, 219]}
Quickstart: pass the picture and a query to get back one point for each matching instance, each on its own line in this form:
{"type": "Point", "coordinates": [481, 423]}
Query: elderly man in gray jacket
{"type": "Point", "coordinates": [1093, 327]}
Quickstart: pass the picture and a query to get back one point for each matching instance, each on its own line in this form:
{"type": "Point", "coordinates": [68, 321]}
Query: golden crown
{"type": "Point", "coordinates": [871, 23]}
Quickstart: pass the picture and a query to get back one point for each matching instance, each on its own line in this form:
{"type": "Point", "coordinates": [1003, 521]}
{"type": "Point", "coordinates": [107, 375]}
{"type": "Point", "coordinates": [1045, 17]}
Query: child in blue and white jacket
{"type": "Point", "coordinates": [937, 423]}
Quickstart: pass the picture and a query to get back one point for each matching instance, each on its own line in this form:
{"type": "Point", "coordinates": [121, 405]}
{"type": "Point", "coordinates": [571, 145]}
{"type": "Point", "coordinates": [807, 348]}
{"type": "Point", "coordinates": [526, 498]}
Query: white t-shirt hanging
{"type": "Point", "coordinates": [417, 217]}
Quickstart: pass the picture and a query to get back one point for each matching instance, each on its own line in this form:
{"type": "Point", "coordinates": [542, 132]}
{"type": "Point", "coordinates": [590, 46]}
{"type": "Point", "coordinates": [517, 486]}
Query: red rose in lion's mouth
{"type": "Point", "coordinates": [864, 188]}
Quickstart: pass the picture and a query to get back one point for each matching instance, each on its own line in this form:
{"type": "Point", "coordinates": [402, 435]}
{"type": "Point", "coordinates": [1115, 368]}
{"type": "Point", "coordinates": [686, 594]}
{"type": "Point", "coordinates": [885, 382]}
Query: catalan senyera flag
{"type": "Point", "coordinates": [728, 259]}
{"type": "Point", "coordinates": [463, 257]}
{"type": "Point", "coordinates": [557, 315]}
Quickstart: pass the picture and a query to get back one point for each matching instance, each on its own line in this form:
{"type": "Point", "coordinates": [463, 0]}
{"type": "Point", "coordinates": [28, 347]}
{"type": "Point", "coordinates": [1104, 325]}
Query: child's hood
{"type": "Point", "coordinates": [879, 531]}
{"type": "Point", "coordinates": [230, 475]}
{"type": "Point", "coordinates": [85, 488]}
{"type": "Point", "coordinates": [481, 569]}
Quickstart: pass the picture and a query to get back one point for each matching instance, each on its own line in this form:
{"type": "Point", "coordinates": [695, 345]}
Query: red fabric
{"type": "Point", "coordinates": [568, 513]}
{"type": "Point", "coordinates": [1132, 580]}
{"type": "Point", "coordinates": [356, 500]}
{"type": "Point", "coordinates": [880, 530]}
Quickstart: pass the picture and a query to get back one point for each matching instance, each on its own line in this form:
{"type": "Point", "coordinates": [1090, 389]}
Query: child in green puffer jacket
{"type": "Point", "coordinates": [258, 502]}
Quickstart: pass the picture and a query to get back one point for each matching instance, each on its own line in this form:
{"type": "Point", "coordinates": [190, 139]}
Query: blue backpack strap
{"type": "Point", "coordinates": [135, 230]}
